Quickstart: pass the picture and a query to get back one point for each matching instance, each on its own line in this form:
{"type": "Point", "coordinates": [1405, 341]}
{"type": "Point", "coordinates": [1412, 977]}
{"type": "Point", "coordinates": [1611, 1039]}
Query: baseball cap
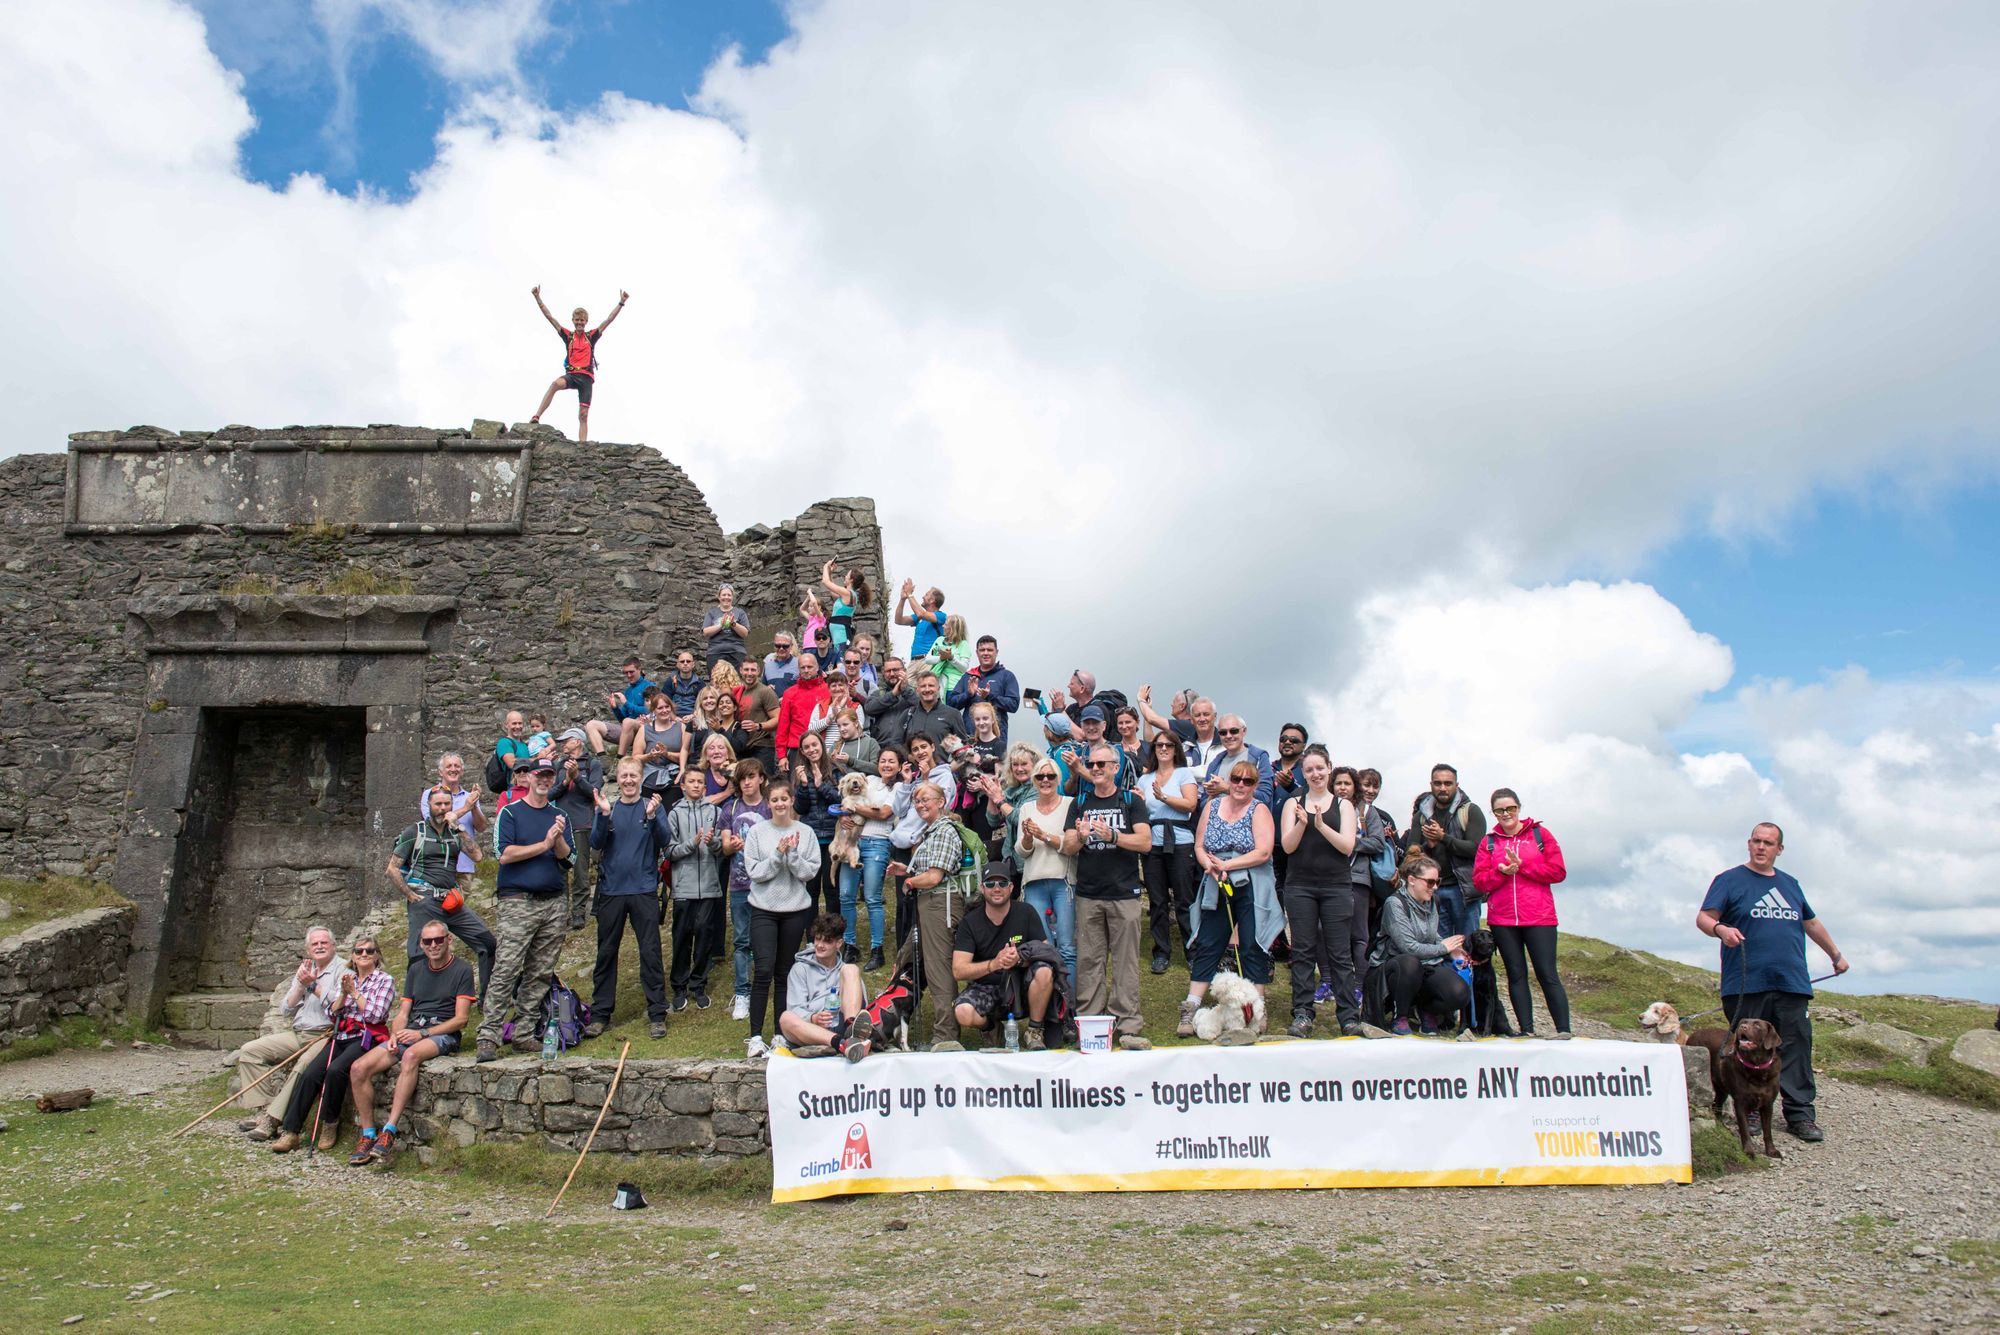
{"type": "Point", "coordinates": [573, 735]}
{"type": "Point", "coordinates": [998, 873]}
{"type": "Point", "coordinates": [1057, 723]}
{"type": "Point", "coordinates": [1091, 713]}
{"type": "Point", "coordinates": [539, 765]}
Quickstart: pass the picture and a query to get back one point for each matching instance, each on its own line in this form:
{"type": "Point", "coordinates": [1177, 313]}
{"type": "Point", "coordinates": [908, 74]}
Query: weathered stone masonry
{"type": "Point", "coordinates": [233, 657]}
{"type": "Point", "coordinates": [72, 966]}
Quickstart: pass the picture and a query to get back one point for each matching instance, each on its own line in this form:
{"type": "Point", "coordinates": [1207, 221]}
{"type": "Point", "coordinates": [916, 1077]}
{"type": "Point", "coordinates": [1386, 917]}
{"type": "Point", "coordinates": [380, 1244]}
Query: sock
{"type": "Point", "coordinates": [389, 1128]}
{"type": "Point", "coordinates": [368, 1131]}
{"type": "Point", "coordinates": [1193, 1000]}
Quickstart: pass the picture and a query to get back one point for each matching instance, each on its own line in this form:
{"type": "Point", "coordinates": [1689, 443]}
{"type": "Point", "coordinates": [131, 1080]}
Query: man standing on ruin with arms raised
{"type": "Point", "coordinates": [579, 359]}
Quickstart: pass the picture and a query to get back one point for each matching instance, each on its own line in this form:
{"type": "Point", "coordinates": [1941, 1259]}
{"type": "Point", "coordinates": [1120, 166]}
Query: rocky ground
{"type": "Point", "coordinates": [1890, 1225]}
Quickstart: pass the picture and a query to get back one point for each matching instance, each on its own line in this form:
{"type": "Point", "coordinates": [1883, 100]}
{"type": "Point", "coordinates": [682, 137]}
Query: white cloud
{"type": "Point", "coordinates": [1892, 828]}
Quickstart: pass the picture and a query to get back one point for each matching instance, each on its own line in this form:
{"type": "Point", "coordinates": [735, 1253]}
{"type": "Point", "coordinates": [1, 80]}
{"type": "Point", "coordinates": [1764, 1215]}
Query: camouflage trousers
{"type": "Point", "coordinates": [531, 936]}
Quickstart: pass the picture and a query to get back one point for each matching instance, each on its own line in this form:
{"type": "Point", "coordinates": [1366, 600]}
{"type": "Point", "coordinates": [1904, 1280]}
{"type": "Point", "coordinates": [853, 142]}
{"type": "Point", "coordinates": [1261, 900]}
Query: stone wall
{"type": "Point", "coordinates": [770, 567]}
{"type": "Point", "coordinates": [71, 966]}
{"type": "Point", "coordinates": [166, 592]}
{"type": "Point", "coordinates": [694, 1108]}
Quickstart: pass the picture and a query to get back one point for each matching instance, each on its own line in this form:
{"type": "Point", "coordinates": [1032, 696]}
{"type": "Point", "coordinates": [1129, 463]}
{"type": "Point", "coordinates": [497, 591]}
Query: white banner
{"type": "Point", "coordinates": [1336, 1113]}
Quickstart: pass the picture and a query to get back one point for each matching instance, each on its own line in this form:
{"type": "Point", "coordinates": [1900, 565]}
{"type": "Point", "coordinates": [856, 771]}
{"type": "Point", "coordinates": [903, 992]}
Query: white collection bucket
{"type": "Point", "coordinates": [1093, 1033]}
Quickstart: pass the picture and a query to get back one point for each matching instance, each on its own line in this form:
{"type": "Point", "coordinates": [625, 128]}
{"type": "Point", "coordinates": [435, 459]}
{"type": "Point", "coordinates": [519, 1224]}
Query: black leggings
{"type": "Point", "coordinates": [331, 1094]}
{"type": "Point", "coordinates": [773, 937]}
{"type": "Point", "coordinates": [1541, 950]}
{"type": "Point", "coordinates": [1433, 982]}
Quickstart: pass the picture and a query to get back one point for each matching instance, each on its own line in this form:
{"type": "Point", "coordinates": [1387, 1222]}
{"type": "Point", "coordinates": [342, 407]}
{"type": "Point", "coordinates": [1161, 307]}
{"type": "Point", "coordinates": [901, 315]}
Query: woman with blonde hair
{"type": "Point", "coordinates": [1238, 892]}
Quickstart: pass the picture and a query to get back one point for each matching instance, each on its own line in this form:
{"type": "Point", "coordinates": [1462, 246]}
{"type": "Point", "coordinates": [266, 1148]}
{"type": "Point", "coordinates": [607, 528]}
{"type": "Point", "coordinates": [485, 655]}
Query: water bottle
{"type": "Point", "coordinates": [551, 1043]}
{"type": "Point", "coordinates": [1013, 1034]}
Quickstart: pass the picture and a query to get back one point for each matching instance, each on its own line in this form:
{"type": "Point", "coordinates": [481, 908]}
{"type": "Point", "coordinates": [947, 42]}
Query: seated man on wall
{"type": "Point", "coordinates": [306, 1003]}
{"type": "Point", "coordinates": [437, 1004]}
{"type": "Point", "coordinates": [825, 1000]}
{"type": "Point", "coordinates": [986, 956]}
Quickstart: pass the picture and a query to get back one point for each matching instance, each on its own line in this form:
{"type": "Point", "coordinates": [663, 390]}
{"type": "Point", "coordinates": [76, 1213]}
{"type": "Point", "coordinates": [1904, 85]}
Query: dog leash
{"type": "Point", "coordinates": [1686, 1019]}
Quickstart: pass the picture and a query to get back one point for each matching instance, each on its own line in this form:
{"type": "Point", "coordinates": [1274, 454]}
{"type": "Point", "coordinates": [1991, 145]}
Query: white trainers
{"type": "Point", "coordinates": [755, 1048]}
{"type": "Point", "coordinates": [740, 1008]}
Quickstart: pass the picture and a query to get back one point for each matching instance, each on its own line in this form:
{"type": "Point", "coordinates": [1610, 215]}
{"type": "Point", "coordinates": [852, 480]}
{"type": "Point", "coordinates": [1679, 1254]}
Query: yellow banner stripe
{"type": "Point", "coordinates": [1257, 1179]}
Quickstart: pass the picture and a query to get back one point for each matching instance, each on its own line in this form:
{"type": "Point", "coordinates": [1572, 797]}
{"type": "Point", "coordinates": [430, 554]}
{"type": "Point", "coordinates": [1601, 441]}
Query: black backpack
{"type": "Point", "coordinates": [498, 777]}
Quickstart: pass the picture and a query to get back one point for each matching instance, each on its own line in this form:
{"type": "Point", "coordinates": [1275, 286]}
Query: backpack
{"type": "Point", "coordinates": [498, 777]}
{"type": "Point", "coordinates": [571, 1014]}
{"type": "Point", "coordinates": [1382, 868]}
{"type": "Point", "coordinates": [972, 858]}
{"type": "Point", "coordinates": [1540, 847]}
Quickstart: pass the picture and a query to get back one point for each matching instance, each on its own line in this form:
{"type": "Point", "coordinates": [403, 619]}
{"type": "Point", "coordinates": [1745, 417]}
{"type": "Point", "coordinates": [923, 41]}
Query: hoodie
{"type": "Point", "coordinates": [1408, 928]}
{"type": "Point", "coordinates": [812, 987]}
{"type": "Point", "coordinates": [1523, 899]}
{"type": "Point", "coordinates": [698, 871]}
{"type": "Point", "coordinates": [1464, 828]}
{"type": "Point", "coordinates": [780, 882]}
{"type": "Point", "coordinates": [795, 712]}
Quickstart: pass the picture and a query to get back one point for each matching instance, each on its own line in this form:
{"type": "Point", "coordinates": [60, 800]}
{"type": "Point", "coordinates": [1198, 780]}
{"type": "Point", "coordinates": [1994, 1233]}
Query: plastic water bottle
{"type": "Point", "coordinates": [1013, 1034]}
{"type": "Point", "coordinates": [551, 1043]}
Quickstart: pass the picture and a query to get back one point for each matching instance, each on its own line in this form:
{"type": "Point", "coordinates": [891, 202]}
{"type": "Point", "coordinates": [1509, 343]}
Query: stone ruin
{"type": "Point", "coordinates": [234, 656]}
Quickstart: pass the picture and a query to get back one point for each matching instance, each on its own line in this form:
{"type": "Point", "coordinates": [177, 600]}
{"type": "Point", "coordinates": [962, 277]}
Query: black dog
{"type": "Point", "coordinates": [1486, 1017]}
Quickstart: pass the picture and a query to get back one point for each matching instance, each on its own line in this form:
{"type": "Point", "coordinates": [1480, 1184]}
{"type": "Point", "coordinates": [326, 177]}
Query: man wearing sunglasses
{"type": "Point", "coordinates": [1106, 831]}
{"type": "Point", "coordinates": [437, 1005]}
{"type": "Point", "coordinates": [1231, 746]}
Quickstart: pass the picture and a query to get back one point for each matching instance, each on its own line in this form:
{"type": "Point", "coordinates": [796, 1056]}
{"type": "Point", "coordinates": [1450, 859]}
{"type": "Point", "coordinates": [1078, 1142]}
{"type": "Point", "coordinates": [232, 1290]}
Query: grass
{"type": "Point", "coordinates": [1940, 1076]}
{"type": "Point", "coordinates": [75, 1031]}
{"type": "Point", "coordinates": [255, 586]}
{"type": "Point", "coordinates": [359, 581]}
{"type": "Point", "coordinates": [1717, 1152]}
{"type": "Point", "coordinates": [478, 1168]}
{"type": "Point", "coordinates": [49, 898]}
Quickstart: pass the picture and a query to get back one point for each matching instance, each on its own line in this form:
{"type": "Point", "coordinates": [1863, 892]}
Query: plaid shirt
{"type": "Point", "coordinates": [377, 994]}
{"type": "Point", "coordinates": [938, 849]}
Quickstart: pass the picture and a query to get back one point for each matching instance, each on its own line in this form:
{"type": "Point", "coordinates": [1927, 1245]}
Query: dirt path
{"type": "Point", "coordinates": [126, 1071]}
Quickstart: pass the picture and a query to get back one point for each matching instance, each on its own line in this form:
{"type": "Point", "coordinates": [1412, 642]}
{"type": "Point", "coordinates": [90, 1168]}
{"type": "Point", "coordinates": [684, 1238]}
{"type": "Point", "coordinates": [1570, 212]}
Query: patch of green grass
{"type": "Point", "coordinates": [1205, 1231]}
{"type": "Point", "coordinates": [1717, 1152]}
{"type": "Point", "coordinates": [477, 1168]}
{"type": "Point", "coordinates": [1981, 1255]}
{"type": "Point", "coordinates": [49, 897]}
{"type": "Point", "coordinates": [1941, 1076]}
{"type": "Point", "coordinates": [76, 1031]}
{"type": "Point", "coordinates": [1060, 1304]}
{"type": "Point", "coordinates": [1566, 1286]}
{"type": "Point", "coordinates": [357, 581]}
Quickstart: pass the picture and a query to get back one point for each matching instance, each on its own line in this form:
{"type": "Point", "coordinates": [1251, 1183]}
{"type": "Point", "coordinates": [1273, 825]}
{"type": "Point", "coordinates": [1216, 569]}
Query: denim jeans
{"type": "Point", "coordinates": [1056, 902]}
{"type": "Point", "coordinates": [1451, 911]}
{"type": "Point", "coordinates": [865, 882]}
{"type": "Point", "coordinates": [739, 938]}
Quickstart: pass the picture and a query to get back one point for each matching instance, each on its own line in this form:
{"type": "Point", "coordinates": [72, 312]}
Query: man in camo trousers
{"type": "Point", "coordinates": [532, 836]}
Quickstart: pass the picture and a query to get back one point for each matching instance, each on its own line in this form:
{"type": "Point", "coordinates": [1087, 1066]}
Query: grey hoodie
{"type": "Point", "coordinates": [778, 881]}
{"type": "Point", "coordinates": [698, 872]}
{"type": "Point", "coordinates": [1409, 928]}
{"type": "Point", "coordinates": [812, 986]}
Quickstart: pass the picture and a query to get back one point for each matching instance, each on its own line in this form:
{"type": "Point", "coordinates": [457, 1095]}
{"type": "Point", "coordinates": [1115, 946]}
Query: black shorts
{"type": "Point", "coordinates": [579, 382]}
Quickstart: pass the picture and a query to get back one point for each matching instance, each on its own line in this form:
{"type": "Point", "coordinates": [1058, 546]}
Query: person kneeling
{"type": "Point", "coordinates": [825, 1001]}
{"type": "Point", "coordinates": [1417, 961]}
{"type": "Point", "coordinates": [987, 956]}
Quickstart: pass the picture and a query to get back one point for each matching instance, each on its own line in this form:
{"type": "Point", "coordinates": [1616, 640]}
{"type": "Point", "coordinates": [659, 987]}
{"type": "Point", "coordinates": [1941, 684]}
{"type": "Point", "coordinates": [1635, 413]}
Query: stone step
{"type": "Point", "coordinates": [216, 1019]}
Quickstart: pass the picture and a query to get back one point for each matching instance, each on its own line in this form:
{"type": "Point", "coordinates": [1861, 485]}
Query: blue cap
{"type": "Point", "coordinates": [1092, 714]}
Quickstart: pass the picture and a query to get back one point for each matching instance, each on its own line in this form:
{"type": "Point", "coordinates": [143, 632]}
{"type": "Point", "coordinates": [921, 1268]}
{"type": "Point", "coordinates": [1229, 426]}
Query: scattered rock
{"type": "Point", "coordinates": [1979, 1049]}
{"type": "Point", "coordinates": [746, 1288]}
{"type": "Point", "coordinates": [1912, 1048]}
{"type": "Point", "coordinates": [72, 1320]}
{"type": "Point", "coordinates": [896, 1226]}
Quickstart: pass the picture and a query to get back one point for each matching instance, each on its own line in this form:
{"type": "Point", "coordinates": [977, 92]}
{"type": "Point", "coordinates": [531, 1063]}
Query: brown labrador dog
{"type": "Point", "coordinates": [1744, 1068]}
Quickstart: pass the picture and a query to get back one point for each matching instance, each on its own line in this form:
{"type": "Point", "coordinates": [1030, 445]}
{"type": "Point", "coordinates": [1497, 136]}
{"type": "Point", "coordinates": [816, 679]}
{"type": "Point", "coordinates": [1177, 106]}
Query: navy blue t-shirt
{"type": "Point", "coordinates": [1771, 912]}
{"type": "Point", "coordinates": [521, 823]}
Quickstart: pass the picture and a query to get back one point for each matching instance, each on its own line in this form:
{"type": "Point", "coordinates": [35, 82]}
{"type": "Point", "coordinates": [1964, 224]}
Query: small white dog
{"type": "Point", "coordinates": [1663, 1022]}
{"type": "Point", "coordinates": [1237, 1016]}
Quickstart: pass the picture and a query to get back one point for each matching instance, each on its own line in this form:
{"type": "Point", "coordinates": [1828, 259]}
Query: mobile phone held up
{"type": "Point", "coordinates": [1032, 694]}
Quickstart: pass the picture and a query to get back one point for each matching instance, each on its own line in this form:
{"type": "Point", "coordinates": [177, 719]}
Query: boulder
{"type": "Point", "coordinates": [1701, 1088]}
{"type": "Point", "coordinates": [1979, 1049]}
{"type": "Point", "coordinates": [1912, 1048]}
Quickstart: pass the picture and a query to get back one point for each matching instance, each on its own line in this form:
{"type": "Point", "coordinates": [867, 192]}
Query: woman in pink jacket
{"type": "Point", "coordinates": [1514, 866]}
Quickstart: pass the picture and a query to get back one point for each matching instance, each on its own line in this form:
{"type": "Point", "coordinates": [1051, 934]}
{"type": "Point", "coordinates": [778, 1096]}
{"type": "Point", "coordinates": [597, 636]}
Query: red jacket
{"type": "Point", "coordinates": [795, 711]}
{"type": "Point", "coordinates": [1523, 899]}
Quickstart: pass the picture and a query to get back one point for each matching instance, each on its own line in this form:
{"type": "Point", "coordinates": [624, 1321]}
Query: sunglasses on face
{"type": "Point", "coordinates": [1505, 811]}
{"type": "Point", "coordinates": [1230, 732]}
{"type": "Point", "coordinates": [1242, 783]}
{"type": "Point", "coordinates": [430, 941]}
{"type": "Point", "coordinates": [1102, 764]}
{"type": "Point", "coordinates": [1045, 778]}
{"type": "Point", "coordinates": [1424, 880]}
{"type": "Point", "coordinates": [365, 950]}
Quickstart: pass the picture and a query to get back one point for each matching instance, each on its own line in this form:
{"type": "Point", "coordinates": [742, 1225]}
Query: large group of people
{"type": "Point", "coordinates": [1039, 852]}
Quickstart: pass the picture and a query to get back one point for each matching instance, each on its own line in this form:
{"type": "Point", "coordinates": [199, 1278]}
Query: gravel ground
{"type": "Point", "coordinates": [1892, 1224]}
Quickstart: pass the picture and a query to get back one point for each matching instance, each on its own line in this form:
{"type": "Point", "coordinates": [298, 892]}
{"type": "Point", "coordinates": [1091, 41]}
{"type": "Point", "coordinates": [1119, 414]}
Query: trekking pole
{"type": "Point", "coordinates": [241, 1092]}
{"type": "Point", "coordinates": [609, 1094]}
{"type": "Point", "coordinates": [312, 1146]}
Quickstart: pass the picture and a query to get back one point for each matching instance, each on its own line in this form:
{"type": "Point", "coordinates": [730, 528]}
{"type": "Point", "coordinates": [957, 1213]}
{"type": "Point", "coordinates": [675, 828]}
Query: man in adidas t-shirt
{"type": "Point", "coordinates": [1762, 919]}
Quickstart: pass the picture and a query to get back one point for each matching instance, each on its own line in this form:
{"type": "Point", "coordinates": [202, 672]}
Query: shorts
{"type": "Point", "coordinates": [581, 383]}
{"type": "Point", "coordinates": [983, 996]}
{"type": "Point", "coordinates": [446, 1043]}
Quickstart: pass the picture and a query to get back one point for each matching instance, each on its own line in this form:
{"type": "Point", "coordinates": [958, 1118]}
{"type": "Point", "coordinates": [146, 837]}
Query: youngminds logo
{"type": "Point", "coordinates": [1773, 905]}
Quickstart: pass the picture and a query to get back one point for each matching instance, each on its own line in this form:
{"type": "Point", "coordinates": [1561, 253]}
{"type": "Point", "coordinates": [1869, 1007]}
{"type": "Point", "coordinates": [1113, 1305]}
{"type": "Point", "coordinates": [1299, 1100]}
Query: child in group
{"type": "Point", "coordinates": [813, 633]}
{"type": "Point", "coordinates": [825, 1000]}
{"type": "Point", "coordinates": [579, 359]}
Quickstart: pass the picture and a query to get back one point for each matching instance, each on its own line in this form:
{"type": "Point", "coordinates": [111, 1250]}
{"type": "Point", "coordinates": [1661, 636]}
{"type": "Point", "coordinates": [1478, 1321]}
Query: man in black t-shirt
{"type": "Point", "coordinates": [437, 1003]}
{"type": "Point", "coordinates": [1106, 832]}
{"type": "Point", "coordinates": [986, 957]}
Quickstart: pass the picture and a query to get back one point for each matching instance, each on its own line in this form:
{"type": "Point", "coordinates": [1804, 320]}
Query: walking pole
{"type": "Point", "coordinates": [312, 1146]}
{"type": "Point", "coordinates": [609, 1094]}
{"type": "Point", "coordinates": [241, 1092]}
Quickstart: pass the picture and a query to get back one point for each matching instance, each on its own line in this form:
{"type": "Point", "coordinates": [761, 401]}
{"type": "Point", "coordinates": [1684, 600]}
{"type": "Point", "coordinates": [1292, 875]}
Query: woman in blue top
{"type": "Point", "coordinates": [1238, 891]}
{"type": "Point", "coordinates": [815, 794]}
{"type": "Point", "coordinates": [851, 595]}
{"type": "Point", "coordinates": [1170, 790]}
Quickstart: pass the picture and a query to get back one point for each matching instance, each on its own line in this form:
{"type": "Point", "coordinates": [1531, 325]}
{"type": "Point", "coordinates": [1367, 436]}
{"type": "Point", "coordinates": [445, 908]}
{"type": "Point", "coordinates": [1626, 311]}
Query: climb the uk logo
{"type": "Point", "coordinates": [855, 1153]}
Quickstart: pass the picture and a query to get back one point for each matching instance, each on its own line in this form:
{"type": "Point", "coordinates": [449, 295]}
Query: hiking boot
{"type": "Point", "coordinates": [1401, 1028]}
{"type": "Point", "coordinates": [286, 1143]}
{"type": "Point", "coordinates": [385, 1145]}
{"type": "Point", "coordinates": [329, 1136]}
{"type": "Point", "coordinates": [1134, 1043]}
{"type": "Point", "coordinates": [1159, 962]}
{"type": "Point", "coordinates": [947, 1045]}
{"type": "Point", "coordinates": [850, 953]}
{"type": "Point", "coordinates": [364, 1152]}
{"type": "Point", "coordinates": [1185, 1027]}
{"type": "Point", "coordinates": [1032, 1041]}
{"type": "Point", "coordinates": [701, 1001]}
{"type": "Point", "coordinates": [680, 1003]}
{"type": "Point", "coordinates": [265, 1129]}
{"type": "Point", "coordinates": [527, 1044]}
{"type": "Point", "coordinates": [875, 959]}
{"type": "Point", "coordinates": [1353, 1029]}
{"type": "Point", "coordinates": [739, 1009]}
{"type": "Point", "coordinates": [657, 1029]}
{"type": "Point", "coordinates": [487, 1051]}
{"type": "Point", "coordinates": [595, 1029]}
{"type": "Point", "coordinates": [1302, 1025]}
{"type": "Point", "coordinates": [1807, 1130]}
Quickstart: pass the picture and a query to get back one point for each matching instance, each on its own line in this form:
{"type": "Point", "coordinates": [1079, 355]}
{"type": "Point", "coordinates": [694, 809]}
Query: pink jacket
{"type": "Point", "coordinates": [1523, 899]}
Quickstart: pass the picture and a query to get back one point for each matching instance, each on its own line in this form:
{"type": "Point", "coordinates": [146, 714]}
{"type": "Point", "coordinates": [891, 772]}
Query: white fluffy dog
{"type": "Point", "coordinates": [1237, 1016]}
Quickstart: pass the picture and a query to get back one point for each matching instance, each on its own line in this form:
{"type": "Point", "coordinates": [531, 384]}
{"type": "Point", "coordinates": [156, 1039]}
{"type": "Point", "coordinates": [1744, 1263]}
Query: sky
{"type": "Point", "coordinates": [1597, 397]}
